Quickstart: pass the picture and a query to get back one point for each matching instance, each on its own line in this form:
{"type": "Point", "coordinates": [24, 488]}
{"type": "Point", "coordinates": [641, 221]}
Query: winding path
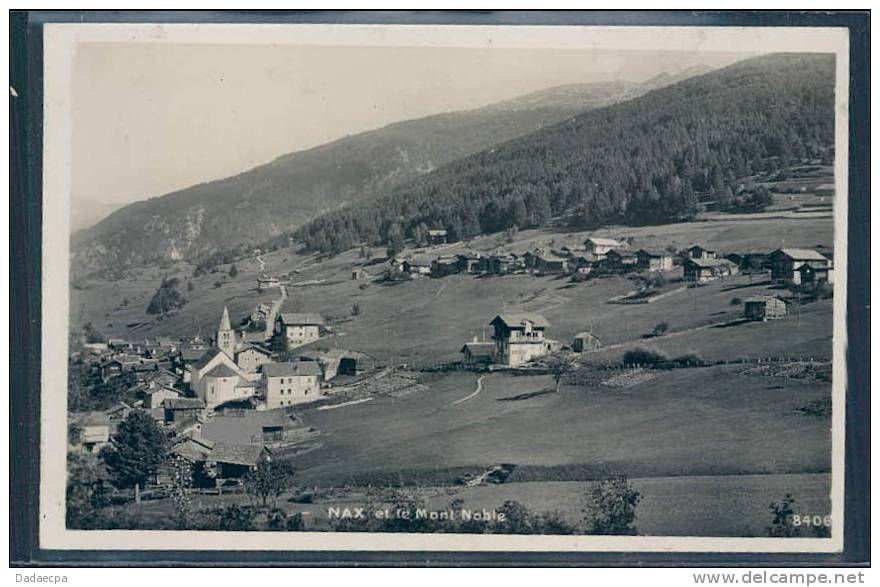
{"type": "Point", "coordinates": [474, 394]}
{"type": "Point", "coordinates": [273, 313]}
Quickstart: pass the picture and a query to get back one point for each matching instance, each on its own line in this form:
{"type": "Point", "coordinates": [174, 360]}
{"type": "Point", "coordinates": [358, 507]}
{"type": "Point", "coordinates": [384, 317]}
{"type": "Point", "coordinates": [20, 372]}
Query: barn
{"type": "Point", "coordinates": [764, 308]}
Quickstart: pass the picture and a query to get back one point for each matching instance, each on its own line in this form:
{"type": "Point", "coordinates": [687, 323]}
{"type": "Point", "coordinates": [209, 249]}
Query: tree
{"type": "Point", "coordinates": [166, 298]}
{"type": "Point", "coordinates": [233, 271]}
{"type": "Point", "coordinates": [181, 482]}
{"type": "Point", "coordinates": [611, 506]}
{"type": "Point", "coordinates": [782, 525]}
{"type": "Point", "coordinates": [86, 493]}
{"type": "Point", "coordinates": [355, 309]}
{"type": "Point", "coordinates": [560, 365]}
{"type": "Point", "coordinates": [269, 479]}
{"type": "Point", "coordinates": [135, 451]}
{"type": "Point", "coordinates": [190, 286]}
{"type": "Point", "coordinates": [92, 334]}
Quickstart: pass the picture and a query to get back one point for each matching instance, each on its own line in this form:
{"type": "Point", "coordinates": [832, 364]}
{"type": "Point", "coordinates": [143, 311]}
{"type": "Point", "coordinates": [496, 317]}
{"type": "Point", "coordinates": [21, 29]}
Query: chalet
{"type": "Point", "coordinates": [597, 247]}
{"type": "Point", "coordinates": [444, 265]}
{"type": "Point", "coordinates": [654, 260]}
{"type": "Point", "coordinates": [502, 264]}
{"type": "Point", "coordinates": [182, 409]}
{"type": "Point", "coordinates": [815, 275]}
{"type": "Point", "coordinates": [193, 448]}
{"type": "Point", "coordinates": [764, 308]}
{"type": "Point", "coordinates": [468, 262]}
{"type": "Point", "coordinates": [585, 341]}
{"type": "Point", "coordinates": [784, 264]}
{"type": "Point", "coordinates": [519, 337]}
{"type": "Point", "coordinates": [698, 252]}
{"type": "Point", "coordinates": [620, 260]}
{"type": "Point", "coordinates": [437, 236]}
{"type": "Point", "coordinates": [299, 329]}
{"type": "Point", "coordinates": [234, 461]}
{"type": "Point", "coordinates": [94, 432]}
{"type": "Point", "coordinates": [268, 282]}
{"type": "Point", "coordinates": [702, 270]}
{"type": "Point", "coordinates": [417, 266]}
{"type": "Point", "coordinates": [478, 353]}
{"type": "Point", "coordinates": [118, 411]}
{"type": "Point", "coordinates": [291, 383]}
{"type": "Point", "coordinates": [548, 263]}
{"type": "Point", "coordinates": [155, 398]}
{"type": "Point", "coordinates": [251, 357]}
{"type": "Point", "coordinates": [359, 274]}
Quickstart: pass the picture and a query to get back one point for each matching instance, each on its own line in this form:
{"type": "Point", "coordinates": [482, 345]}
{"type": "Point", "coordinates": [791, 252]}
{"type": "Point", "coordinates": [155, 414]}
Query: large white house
{"type": "Point", "coordinates": [291, 383]}
{"type": "Point", "coordinates": [298, 328]}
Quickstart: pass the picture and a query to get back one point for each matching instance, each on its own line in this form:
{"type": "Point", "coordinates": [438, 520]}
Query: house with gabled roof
{"type": "Point", "coordinates": [702, 270]}
{"type": "Point", "coordinates": [598, 247]}
{"type": "Point", "coordinates": [291, 383]}
{"type": "Point", "coordinates": [654, 259]}
{"type": "Point", "coordinates": [784, 264]}
{"type": "Point", "coordinates": [298, 328]}
{"type": "Point", "coordinates": [520, 337]}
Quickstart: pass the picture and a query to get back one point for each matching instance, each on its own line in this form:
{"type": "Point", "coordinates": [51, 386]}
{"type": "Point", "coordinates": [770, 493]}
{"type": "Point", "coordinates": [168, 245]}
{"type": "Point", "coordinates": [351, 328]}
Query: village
{"type": "Point", "coordinates": [234, 399]}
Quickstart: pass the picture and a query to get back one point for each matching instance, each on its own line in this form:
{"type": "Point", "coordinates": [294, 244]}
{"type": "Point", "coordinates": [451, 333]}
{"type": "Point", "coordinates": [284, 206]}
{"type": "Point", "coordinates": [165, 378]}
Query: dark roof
{"type": "Point", "coordinates": [291, 369]}
{"type": "Point", "coordinates": [93, 419]}
{"type": "Point", "coordinates": [253, 347]}
{"type": "Point", "coordinates": [802, 254]}
{"type": "Point", "coordinates": [190, 355]}
{"type": "Point", "coordinates": [236, 454]}
{"type": "Point", "coordinates": [708, 263]}
{"type": "Point", "coordinates": [301, 318]}
{"type": "Point", "coordinates": [654, 252]}
{"type": "Point", "coordinates": [622, 252]}
{"type": "Point", "coordinates": [183, 403]}
{"type": "Point", "coordinates": [221, 371]}
{"type": "Point", "coordinates": [516, 320]}
{"type": "Point", "coordinates": [761, 299]}
{"type": "Point", "coordinates": [248, 427]}
{"type": "Point", "coordinates": [206, 357]}
{"type": "Point", "coordinates": [479, 349]}
{"type": "Point", "coordinates": [701, 247]}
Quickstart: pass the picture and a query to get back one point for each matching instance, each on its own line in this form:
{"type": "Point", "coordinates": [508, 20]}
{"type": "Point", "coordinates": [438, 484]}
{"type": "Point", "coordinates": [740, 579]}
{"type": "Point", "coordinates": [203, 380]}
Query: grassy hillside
{"type": "Point", "coordinates": [433, 317]}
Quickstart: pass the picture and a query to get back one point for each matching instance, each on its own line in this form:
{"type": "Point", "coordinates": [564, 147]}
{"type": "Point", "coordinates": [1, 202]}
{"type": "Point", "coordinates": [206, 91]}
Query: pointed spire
{"type": "Point", "coordinates": [224, 321]}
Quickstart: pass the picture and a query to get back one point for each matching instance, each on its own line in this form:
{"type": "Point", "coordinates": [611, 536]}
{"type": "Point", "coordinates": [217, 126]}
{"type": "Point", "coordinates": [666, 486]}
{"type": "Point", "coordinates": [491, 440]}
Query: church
{"type": "Point", "coordinates": [228, 370]}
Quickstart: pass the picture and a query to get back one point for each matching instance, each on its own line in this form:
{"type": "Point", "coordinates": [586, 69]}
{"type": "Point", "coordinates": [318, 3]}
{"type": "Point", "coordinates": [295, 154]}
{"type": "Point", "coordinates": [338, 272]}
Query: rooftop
{"type": "Point", "coordinates": [803, 254]}
{"type": "Point", "coordinates": [221, 371]}
{"type": "Point", "coordinates": [479, 349]}
{"type": "Point", "coordinates": [608, 242]}
{"type": "Point", "coordinates": [292, 369]}
{"type": "Point", "coordinates": [236, 454]}
{"type": "Point", "coordinates": [301, 318]}
{"type": "Point", "coordinates": [518, 320]}
{"type": "Point", "coordinates": [183, 403]}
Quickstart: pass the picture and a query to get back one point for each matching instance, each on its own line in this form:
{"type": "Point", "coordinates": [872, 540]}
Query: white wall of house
{"type": "Point", "coordinates": [298, 335]}
{"type": "Point", "coordinates": [291, 390]}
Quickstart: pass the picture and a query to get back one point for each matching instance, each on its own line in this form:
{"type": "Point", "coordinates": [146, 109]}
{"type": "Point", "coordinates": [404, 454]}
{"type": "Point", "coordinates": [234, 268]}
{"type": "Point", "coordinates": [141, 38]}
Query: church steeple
{"type": "Point", "coordinates": [225, 335]}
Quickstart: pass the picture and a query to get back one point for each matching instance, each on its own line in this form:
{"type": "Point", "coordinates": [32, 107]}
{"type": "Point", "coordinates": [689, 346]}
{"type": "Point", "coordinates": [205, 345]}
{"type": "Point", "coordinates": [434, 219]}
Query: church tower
{"type": "Point", "coordinates": [226, 336]}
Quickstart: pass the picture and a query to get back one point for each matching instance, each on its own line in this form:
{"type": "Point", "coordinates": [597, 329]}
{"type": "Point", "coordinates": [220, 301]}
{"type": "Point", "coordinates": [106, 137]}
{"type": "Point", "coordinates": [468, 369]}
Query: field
{"type": "Point", "coordinates": [710, 448]}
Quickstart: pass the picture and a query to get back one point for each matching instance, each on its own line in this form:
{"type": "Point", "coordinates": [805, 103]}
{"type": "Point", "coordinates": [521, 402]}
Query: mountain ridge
{"type": "Point", "coordinates": [279, 196]}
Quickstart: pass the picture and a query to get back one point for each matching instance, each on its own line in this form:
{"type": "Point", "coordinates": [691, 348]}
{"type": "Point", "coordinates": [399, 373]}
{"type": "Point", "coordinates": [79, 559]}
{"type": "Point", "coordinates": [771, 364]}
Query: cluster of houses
{"type": "Point", "coordinates": [520, 338]}
{"type": "Point", "coordinates": [230, 397]}
{"type": "Point", "coordinates": [602, 256]}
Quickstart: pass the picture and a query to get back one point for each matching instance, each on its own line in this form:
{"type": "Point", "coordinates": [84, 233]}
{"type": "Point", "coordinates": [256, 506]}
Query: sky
{"type": "Point", "coordinates": [150, 118]}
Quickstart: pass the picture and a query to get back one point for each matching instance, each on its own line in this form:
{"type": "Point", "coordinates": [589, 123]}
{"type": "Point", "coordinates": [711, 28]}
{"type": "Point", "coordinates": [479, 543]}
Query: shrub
{"type": "Point", "coordinates": [660, 329]}
{"type": "Point", "coordinates": [644, 356]}
{"type": "Point", "coordinates": [690, 360]}
{"type": "Point", "coordinates": [218, 284]}
{"type": "Point", "coordinates": [610, 507]}
{"type": "Point", "coordinates": [736, 301]}
{"type": "Point", "coordinates": [166, 298]}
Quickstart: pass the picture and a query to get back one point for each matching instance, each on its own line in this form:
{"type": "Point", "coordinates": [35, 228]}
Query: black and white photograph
{"type": "Point", "coordinates": [519, 288]}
